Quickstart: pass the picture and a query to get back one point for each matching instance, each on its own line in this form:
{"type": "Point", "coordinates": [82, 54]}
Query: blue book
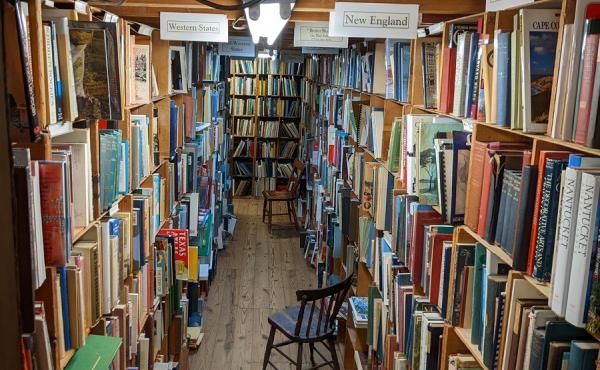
{"type": "Point", "coordinates": [405, 70]}
{"type": "Point", "coordinates": [502, 61]}
{"type": "Point", "coordinates": [583, 355]}
{"type": "Point", "coordinates": [484, 273]}
{"type": "Point", "coordinates": [64, 299]}
{"type": "Point", "coordinates": [389, 195]}
{"type": "Point", "coordinates": [173, 123]}
{"type": "Point", "coordinates": [471, 83]}
{"type": "Point", "coordinates": [478, 284]}
{"type": "Point", "coordinates": [124, 184]}
{"type": "Point", "coordinates": [447, 260]}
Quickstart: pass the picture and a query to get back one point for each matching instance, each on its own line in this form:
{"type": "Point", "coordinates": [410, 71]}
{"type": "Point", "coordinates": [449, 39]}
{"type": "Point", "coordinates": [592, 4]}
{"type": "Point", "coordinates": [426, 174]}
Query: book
{"type": "Point", "coordinates": [537, 68]}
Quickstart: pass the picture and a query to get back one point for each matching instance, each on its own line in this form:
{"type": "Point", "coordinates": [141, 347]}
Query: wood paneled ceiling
{"type": "Point", "coordinates": [148, 11]}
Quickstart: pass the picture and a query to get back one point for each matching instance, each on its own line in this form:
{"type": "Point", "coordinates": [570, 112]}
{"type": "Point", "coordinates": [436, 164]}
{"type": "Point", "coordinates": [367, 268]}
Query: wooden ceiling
{"type": "Point", "coordinates": [148, 11]}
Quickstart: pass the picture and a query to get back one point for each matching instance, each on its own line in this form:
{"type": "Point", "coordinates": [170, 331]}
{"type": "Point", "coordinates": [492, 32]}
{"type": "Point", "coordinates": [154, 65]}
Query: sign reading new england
{"type": "Point", "coordinates": [374, 20]}
{"type": "Point", "coordinates": [316, 34]}
{"type": "Point", "coordinates": [193, 27]}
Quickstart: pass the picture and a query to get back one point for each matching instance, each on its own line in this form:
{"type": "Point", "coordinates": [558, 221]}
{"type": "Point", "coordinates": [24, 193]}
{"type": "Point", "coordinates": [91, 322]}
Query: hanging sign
{"type": "Point", "coordinates": [374, 20]}
{"type": "Point", "coordinates": [193, 27]}
{"type": "Point", "coordinates": [313, 50]}
{"type": "Point", "coordinates": [316, 34]}
{"type": "Point", "coordinates": [292, 56]}
{"type": "Point", "coordinates": [238, 46]}
{"type": "Point", "coordinates": [497, 5]}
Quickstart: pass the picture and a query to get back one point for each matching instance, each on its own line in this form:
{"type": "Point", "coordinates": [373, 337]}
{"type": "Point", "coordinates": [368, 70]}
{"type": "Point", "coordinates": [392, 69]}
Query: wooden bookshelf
{"type": "Point", "coordinates": [256, 117]}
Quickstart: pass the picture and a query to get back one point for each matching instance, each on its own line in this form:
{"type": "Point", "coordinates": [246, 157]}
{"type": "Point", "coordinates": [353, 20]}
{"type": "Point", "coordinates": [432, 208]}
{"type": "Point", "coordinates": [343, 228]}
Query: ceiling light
{"type": "Point", "coordinates": [268, 19]}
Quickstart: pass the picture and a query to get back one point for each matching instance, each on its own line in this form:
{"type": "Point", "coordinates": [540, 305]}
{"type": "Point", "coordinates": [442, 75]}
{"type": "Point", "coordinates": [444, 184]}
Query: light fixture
{"type": "Point", "coordinates": [268, 19]}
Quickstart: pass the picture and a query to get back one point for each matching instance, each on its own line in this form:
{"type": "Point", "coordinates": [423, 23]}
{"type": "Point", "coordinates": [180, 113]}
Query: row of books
{"type": "Point", "coordinates": [397, 66]}
{"type": "Point", "coordinates": [274, 107]}
{"type": "Point", "coordinates": [288, 149]}
{"type": "Point", "coordinates": [244, 127]}
{"type": "Point", "coordinates": [350, 68]}
{"type": "Point", "coordinates": [243, 149]}
{"type": "Point", "coordinates": [266, 149]}
{"type": "Point", "coordinates": [241, 66]}
{"type": "Point", "coordinates": [242, 107]}
{"type": "Point", "coordinates": [242, 85]}
{"type": "Point", "coordinates": [268, 128]}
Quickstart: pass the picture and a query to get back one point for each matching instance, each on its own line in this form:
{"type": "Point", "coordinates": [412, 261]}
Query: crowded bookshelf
{"type": "Point", "coordinates": [451, 174]}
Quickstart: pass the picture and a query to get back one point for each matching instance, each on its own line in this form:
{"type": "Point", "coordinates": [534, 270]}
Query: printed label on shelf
{"type": "Point", "coordinates": [238, 46]}
{"type": "Point", "coordinates": [316, 34]}
{"type": "Point", "coordinates": [374, 20]}
{"type": "Point", "coordinates": [193, 27]}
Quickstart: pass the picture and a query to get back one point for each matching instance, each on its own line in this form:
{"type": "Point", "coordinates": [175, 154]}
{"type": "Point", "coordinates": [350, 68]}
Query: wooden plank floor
{"type": "Point", "coordinates": [257, 274]}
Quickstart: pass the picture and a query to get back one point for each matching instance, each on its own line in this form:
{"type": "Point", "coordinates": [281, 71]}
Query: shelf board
{"type": "Point", "coordinates": [65, 360]}
{"type": "Point", "coordinates": [544, 288]}
{"type": "Point", "coordinates": [496, 250]}
{"type": "Point", "coordinates": [465, 337]}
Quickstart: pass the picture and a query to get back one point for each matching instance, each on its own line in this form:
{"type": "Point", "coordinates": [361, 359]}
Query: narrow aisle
{"type": "Point", "coordinates": [257, 274]}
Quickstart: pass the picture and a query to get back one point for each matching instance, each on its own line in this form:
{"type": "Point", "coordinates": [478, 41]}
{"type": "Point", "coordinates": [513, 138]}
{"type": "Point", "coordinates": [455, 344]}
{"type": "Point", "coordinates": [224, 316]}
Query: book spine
{"type": "Point", "coordinates": [586, 89]}
{"type": "Point", "coordinates": [541, 241]}
{"type": "Point", "coordinates": [448, 74]}
{"type": "Point", "coordinates": [57, 78]}
{"type": "Point", "coordinates": [524, 217]}
{"type": "Point", "coordinates": [503, 77]}
{"type": "Point", "coordinates": [586, 233]}
{"type": "Point", "coordinates": [51, 111]}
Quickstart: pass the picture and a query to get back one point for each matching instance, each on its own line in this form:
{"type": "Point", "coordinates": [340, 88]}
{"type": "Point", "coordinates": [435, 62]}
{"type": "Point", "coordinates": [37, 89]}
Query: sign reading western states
{"type": "Point", "coordinates": [375, 20]}
{"type": "Point", "coordinates": [496, 5]}
{"type": "Point", "coordinates": [238, 46]}
{"type": "Point", "coordinates": [309, 50]}
{"type": "Point", "coordinates": [316, 34]}
{"type": "Point", "coordinates": [193, 27]}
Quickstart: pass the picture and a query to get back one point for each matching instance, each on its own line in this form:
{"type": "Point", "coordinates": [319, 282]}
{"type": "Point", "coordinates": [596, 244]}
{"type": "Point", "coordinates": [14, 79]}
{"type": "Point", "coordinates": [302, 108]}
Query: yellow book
{"type": "Point", "coordinates": [193, 263]}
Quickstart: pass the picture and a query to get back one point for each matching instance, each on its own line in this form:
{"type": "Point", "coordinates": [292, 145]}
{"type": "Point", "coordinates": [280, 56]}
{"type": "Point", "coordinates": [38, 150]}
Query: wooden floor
{"type": "Point", "coordinates": [257, 274]}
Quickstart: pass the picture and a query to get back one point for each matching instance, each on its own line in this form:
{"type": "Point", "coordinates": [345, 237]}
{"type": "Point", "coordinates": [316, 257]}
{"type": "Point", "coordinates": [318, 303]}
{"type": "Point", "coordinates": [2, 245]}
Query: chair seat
{"type": "Point", "coordinates": [285, 321]}
{"type": "Point", "coordinates": [278, 195]}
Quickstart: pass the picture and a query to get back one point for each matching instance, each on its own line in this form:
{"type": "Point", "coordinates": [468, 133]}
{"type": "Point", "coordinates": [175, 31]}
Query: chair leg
{"type": "Point", "coordinates": [264, 209]}
{"type": "Point", "coordinates": [331, 345]}
{"type": "Point", "coordinates": [289, 211]}
{"type": "Point", "coordinates": [269, 347]}
{"type": "Point", "coordinates": [312, 353]}
{"type": "Point", "coordinates": [270, 216]}
{"type": "Point", "coordinates": [299, 357]}
{"type": "Point", "coordinates": [294, 214]}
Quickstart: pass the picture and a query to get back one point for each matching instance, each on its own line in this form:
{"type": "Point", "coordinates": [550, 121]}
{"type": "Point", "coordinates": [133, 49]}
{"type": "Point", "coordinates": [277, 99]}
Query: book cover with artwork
{"type": "Point", "coordinates": [540, 35]}
{"type": "Point", "coordinates": [181, 251]}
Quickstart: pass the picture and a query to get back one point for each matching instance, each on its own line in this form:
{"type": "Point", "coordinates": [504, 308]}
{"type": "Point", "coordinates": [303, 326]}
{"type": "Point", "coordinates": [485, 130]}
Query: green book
{"type": "Point", "coordinates": [496, 284]}
{"type": "Point", "coordinates": [476, 323]}
{"type": "Point", "coordinates": [97, 353]}
{"type": "Point", "coordinates": [373, 294]}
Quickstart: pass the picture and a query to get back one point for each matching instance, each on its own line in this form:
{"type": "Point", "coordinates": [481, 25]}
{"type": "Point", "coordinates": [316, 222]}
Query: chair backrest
{"type": "Point", "coordinates": [296, 175]}
{"type": "Point", "coordinates": [329, 300]}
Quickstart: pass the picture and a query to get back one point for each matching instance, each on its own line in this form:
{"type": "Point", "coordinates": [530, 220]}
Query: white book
{"type": "Point", "coordinates": [429, 319]}
{"type": "Point", "coordinates": [106, 258]}
{"type": "Point", "coordinates": [413, 122]}
{"type": "Point", "coordinates": [594, 107]}
{"type": "Point", "coordinates": [133, 308]}
{"type": "Point", "coordinates": [564, 66]}
{"type": "Point", "coordinates": [462, 62]}
{"type": "Point", "coordinates": [144, 352]}
{"type": "Point", "coordinates": [51, 95]}
{"type": "Point", "coordinates": [531, 19]}
{"type": "Point", "coordinates": [194, 199]}
{"type": "Point", "coordinates": [38, 234]}
{"type": "Point", "coordinates": [520, 289]}
{"type": "Point", "coordinates": [586, 239]}
{"type": "Point", "coordinates": [566, 234]}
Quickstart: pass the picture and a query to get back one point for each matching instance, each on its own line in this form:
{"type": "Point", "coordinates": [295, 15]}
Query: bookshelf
{"type": "Point", "coordinates": [136, 161]}
{"type": "Point", "coordinates": [272, 95]}
{"type": "Point", "coordinates": [329, 82]}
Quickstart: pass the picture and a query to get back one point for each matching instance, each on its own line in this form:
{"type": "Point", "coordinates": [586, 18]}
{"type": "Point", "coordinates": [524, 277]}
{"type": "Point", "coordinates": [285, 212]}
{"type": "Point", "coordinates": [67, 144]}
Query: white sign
{"type": "Point", "coordinates": [193, 27]}
{"type": "Point", "coordinates": [375, 20]}
{"type": "Point", "coordinates": [316, 34]}
{"type": "Point", "coordinates": [238, 46]}
{"type": "Point", "coordinates": [309, 50]}
{"type": "Point", "coordinates": [496, 5]}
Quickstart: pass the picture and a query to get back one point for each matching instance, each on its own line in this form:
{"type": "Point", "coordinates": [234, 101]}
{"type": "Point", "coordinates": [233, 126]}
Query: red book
{"type": "Point", "coordinates": [436, 266]}
{"type": "Point", "coordinates": [190, 127]}
{"type": "Point", "coordinates": [448, 75]}
{"type": "Point", "coordinates": [181, 251]}
{"type": "Point", "coordinates": [588, 70]}
{"type": "Point", "coordinates": [54, 212]}
{"type": "Point", "coordinates": [544, 156]}
{"type": "Point", "coordinates": [421, 218]}
{"type": "Point", "coordinates": [463, 294]}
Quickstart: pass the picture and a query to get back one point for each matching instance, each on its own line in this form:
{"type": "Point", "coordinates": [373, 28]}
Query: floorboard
{"type": "Point", "coordinates": [258, 274]}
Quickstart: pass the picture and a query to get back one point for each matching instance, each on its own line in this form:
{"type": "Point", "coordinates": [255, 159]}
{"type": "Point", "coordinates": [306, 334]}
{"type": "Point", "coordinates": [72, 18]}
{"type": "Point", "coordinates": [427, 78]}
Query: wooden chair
{"type": "Point", "coordinates": [309, 322]}
{"type": "Point", "coordinates": [289, 196]}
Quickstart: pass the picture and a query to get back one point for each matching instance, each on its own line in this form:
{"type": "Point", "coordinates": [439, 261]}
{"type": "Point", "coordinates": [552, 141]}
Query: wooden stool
{"type": "Point", "coordinates": [289, 196]}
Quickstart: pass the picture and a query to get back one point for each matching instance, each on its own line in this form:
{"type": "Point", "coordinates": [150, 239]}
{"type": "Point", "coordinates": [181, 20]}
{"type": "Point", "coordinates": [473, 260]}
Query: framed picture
{"type": "Point", "coordinates": [178, 69]}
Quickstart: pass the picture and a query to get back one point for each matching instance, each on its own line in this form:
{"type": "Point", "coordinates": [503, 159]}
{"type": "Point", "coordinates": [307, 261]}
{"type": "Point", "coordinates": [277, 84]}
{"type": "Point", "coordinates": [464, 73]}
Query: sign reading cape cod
{"type": "Point", "coordinates": [374, 20]}
{"type": "Point", "coordinates": [193, 27]}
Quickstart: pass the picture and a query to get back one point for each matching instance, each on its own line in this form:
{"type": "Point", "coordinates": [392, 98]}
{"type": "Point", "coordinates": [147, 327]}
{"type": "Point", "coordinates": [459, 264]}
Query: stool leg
{"type": "Point", "coordinates": [299, 357]}
{"type": "Point", "coordinates": [269, 347]}
{"type": "Point", "coordinates": [289, 211]}
{"type": "Point", "coordinates": [264, 209]}
{"type": "Point", "coordinates": [312, 353]}
{"type": "Point", "coordinates": [334, 358]}
{"type": "Point", "coordinates": [270, 216]}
